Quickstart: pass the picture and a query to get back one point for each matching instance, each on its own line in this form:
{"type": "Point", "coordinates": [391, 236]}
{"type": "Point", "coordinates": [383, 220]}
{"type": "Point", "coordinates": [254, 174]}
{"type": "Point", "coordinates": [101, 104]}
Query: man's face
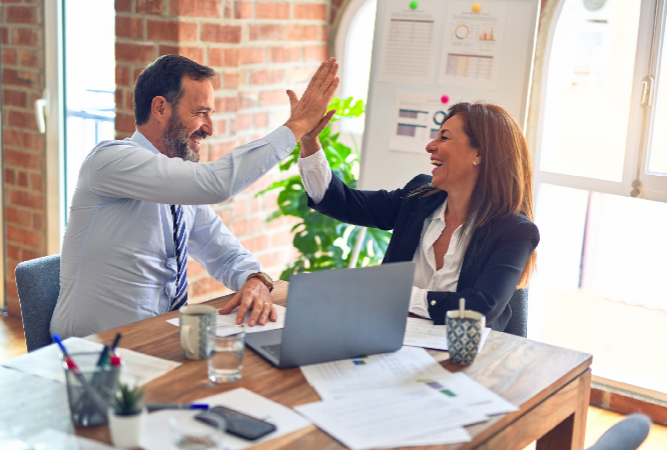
{"type": "Point", "coordinates": [190, 121]}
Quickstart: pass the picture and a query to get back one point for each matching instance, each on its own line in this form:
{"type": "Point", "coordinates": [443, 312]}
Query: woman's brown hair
{"type": "Point", "coordinates": [505, 181]}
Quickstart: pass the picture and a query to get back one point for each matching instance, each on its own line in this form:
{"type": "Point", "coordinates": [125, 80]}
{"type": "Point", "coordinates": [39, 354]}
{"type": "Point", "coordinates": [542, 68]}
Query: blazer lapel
{"type": "Point", "coordinates": [410, 236]}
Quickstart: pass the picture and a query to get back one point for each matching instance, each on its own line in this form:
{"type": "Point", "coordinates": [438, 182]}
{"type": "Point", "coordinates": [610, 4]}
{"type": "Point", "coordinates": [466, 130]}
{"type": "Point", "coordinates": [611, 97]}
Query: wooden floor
{"type": "Point", "coordinates": [12, 344]}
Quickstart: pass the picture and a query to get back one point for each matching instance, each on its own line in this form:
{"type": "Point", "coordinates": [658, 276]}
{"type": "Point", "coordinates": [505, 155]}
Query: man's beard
{"type": "Point", "coordinates": [178, 141]}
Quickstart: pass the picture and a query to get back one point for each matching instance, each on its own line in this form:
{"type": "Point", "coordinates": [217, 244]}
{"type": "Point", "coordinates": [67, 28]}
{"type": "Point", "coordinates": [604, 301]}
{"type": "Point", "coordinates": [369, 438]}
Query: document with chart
{"type": "Point", "coordinates": [408, 42]}
{"type": "Point", "coordinates": [472, 44]}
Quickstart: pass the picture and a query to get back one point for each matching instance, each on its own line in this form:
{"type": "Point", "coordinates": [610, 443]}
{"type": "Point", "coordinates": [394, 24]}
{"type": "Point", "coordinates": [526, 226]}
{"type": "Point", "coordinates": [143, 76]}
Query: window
{"type": "Point", "coordinates": [602, 140]}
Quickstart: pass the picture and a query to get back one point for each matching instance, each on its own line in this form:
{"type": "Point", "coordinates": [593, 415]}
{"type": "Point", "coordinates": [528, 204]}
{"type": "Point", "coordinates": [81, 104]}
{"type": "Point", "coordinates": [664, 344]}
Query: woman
{"type": "Point", "coordinates": [468, 228]}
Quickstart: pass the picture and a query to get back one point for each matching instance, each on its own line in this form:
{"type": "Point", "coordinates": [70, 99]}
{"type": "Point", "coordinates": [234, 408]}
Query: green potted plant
{"type": "Point", "coordinates": [127, 416]}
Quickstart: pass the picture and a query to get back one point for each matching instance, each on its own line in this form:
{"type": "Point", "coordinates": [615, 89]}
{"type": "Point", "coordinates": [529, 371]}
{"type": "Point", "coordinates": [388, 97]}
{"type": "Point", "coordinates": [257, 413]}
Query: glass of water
{"type": "Point", "coordinates": [225, 360]}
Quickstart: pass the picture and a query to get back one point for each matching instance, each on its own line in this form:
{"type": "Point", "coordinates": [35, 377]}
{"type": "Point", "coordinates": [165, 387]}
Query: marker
{"type": "Point", "coordinates": [160, 406]}
{"type": "Point", "coordinates": [103, 356]}
{"type": "Point", "coordinates": [57, 340]}
{"type": "Point", "coordinates": [115, 343]}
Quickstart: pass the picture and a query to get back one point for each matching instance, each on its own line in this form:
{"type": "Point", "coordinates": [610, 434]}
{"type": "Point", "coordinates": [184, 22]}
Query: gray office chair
{"type": "Point", "coordinates": [628, 434]}
{"type": "Point", "coordinates": [518, 324]}
{"type": "Point", "coordinates": [38, 283]}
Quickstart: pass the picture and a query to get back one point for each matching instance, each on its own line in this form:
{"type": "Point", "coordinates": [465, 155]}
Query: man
{"type": "Point", "coordinates": [141, 205]}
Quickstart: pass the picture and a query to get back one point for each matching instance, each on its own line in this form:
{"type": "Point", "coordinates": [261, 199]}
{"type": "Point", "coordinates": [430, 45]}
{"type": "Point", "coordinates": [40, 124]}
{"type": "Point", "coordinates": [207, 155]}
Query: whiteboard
{"type": "Point", "coordinates": [384, 167]}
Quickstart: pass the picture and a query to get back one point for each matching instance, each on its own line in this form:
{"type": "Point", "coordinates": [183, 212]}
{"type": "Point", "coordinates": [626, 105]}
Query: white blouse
{"type": "Point", "coordinates": [316, 177]}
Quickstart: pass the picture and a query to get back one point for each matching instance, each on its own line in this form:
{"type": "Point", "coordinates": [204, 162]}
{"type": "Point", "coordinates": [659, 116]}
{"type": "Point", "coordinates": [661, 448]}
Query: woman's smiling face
{"type": "Point", "coordinates": [453, 157]}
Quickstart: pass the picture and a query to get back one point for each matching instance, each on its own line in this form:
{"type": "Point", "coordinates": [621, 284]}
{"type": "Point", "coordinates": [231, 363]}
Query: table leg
{"type": "Point", "coordinates": [571, 432]}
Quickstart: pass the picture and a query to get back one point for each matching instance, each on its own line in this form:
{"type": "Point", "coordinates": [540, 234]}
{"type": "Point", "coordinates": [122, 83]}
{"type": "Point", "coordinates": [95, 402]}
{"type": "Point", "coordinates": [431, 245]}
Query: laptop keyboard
{"type": "Point", "coordinates": [273, 350]}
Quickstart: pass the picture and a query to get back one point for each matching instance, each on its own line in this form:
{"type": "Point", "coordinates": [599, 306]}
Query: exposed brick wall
{"type": "Point", "coordinates": [258, 50]}
{"type": "Point", "coordinates": [22, 146]}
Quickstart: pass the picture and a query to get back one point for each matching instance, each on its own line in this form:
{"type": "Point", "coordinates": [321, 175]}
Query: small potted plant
{"type": "Point", "coordinates": [127, 416]}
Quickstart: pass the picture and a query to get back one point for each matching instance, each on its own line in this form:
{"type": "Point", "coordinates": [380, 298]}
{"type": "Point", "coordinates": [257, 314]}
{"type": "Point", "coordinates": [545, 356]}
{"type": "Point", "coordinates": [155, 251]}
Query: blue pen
{"type": "Point", "coordinates": [57, 340]}
{"type": "Point", "coordinates": [159, 406]}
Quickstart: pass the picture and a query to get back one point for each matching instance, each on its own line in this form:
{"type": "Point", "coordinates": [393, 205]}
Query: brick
{"type": "Point", "coordinates": [25, 37]}
{"type": "Point", "coordinates": [272, 10]}
{"type": "Point", "coordinates": [284, 54]}
{"type": "Point", "coordinates": [4, 35]}
{"type": "Point", "coordinates": [153, 7]}
{"type": "Point", "coordinates": [274, 259]}
{"type": "Point", "coordinates": [196, 53]}
{"type": "Point", "coordinates": [264, 77]}
{"type": "Point", "coordinates": [123, 5]}
{"type": "Point", "coordinates": [30, 59]}
{"type": "Point", "coordinates": [325, 34]}
{"type": "Point", "coordinates": [248, 99]}
{"type": "Point", "coordinates": [223, 57]}
{"type": "Point", "coordinates": [17, 216]}
{"type": "Point", "coordinates": [256, 202]}
{"type": "Point", "coordinates": [225, 215]}
{"type": "Point", "coordinates": [216, 81]}
{"type": "Point", "coordinates": [27, 255]}
{"type": "Point", "coordinates": [243, 121]}
{"type": "Point", "coordinates": [310, 11]}
{"type": "Point", "coordinates": [231, 80]}
{"type": "Point", "coordinates": [256, 244]}
{"type": "Point", "coordinates": [23, 198]}
{"type": "Point", "coordinates": [9, 57]}
{"type": "Point", "coordinates": [240, 207]}
{"type": "Point", "coordinates": [20, 119]}
{"type": "Point", "coordinates": [265, 33]}
{"type": "Point", "coordinates": [22, 159]}
{"type": "Point", "coordinates": [315, 53]}
{"type": "Point", "coordinates": [122, 76]}
{"type": "Point", "coordinates": [13, 253]}
{"type": "Point", "coordinates": [302, 33]}
{"type": "Point", "coordinates": [226, 104]}
{"type": "Point", "coordinates": [170, 30]}
{"type": "Point", "coordinates": [228, 34]}
{"type": "Point", "coordinates": [130, 27]}
{"type": "Point", "coordinates": [251, 55]}
{"type": "Point", "coordinates": [36, 182]}
{"type": "Point", "coordinates": [118, 98]}
{"type": "Point", "coordinates": [18, 78]}
{"type": "Point", "coordinates": [271, 98]}
{"type": "Point", "coordinates": [10, 176]}
{"type": "Point", "coordinates": [11, 97]}
{"type": "Point", "coordinates": [243, 10]}
{"type": "Point", "coordinates": [248, 226]}
{"type": "Point", "coordinates": [125, 123]}
{"type": "Point", "coordinates": [220, 127]}
{"type": "Point", "coordinates": [25, 237]}
{"type": "Point", "coordinates": [135, 75]}
{"type": "Point", "coordinates": [136, 53]}
{"type": "Point", "coordinates": [22, 179]}
{"type": "Point", "coordinates": [219, 149]}
{"type": "Point", "coordinates": [195, 269]}
{"type": "Point", "coordinates": [282, 239]}
{"type": "Point", "coordinates": [260, 119]}
{"type": "Point", "coordinates": [204, 286]}
{"type": "Point", "coordinates": [196, 8]}
{"type": "Point", "coordinates": [22, 14]}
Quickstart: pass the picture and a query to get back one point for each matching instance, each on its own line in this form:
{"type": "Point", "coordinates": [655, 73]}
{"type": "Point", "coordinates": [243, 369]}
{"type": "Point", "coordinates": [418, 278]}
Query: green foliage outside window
{"type": "Point", "coordinates": [322, 242]}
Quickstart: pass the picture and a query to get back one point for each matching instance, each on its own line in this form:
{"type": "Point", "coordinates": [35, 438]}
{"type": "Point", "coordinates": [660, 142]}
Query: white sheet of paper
{"type": "Point", "coordinates": [417, 119]}
{"type": "Point", "coordinates": [226, 324]}
{"type": "Point", "coordinates": [57, 440]}
{"type": "Point", "coordinates": [158, 435]}
{"type": "Point", "coordinates": [454, 436]}
{"type": "Point", "coordinates": [472, 46]}
{"type": "Point", "coordinates": [45, 362]}
{"type": "Point", "coordinates": [386, 421]}
{"type": "Point", "coordinates": [408, 48]}
{"type": "Point", "coordinates": [408, 363]}
{"type": "Point", "coordinates": [422, 333]}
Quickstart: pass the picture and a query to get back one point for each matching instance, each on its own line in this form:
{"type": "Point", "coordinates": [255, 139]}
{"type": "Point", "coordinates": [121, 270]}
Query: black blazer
{"type": "Point", "coordinates": [492, 265]}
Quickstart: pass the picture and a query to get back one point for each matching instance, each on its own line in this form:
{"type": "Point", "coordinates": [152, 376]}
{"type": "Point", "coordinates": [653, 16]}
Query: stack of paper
{"type": "Point", "coordinates": [138, 368]}
{"type": "Point", "coordinates": [226, 323]}
{"type": "Point", "coordinates": [397, 399]}
{"type": "Point", "coordinates": [422, 333]}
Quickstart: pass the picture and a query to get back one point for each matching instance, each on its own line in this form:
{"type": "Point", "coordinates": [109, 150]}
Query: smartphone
{"type": "Point", "coordinates": [238, 424]}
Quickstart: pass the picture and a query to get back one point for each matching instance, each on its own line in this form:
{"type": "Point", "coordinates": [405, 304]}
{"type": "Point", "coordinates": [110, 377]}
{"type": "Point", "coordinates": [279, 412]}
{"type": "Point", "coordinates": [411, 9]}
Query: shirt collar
{"type": "Point", "coordinates": [140, 139]}
{"type": "Point", "coordinates": [439, 213]}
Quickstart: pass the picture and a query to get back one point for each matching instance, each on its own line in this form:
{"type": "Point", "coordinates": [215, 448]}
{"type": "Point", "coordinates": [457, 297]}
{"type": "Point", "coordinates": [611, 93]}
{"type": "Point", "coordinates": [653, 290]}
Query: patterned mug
{"type": "Point", "coordinates": [195, 323]}
{"type": "Point", "coordinates": [463, 335]}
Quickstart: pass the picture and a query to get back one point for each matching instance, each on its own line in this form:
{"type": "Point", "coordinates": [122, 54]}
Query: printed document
{"type": "Point", "coordinates": [422, 333]}
{"type": "Point", "coordinates": [226, 323]}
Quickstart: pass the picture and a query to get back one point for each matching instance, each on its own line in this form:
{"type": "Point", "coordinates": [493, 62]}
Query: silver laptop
{"type": "Point", "coordinates": [339, 314]}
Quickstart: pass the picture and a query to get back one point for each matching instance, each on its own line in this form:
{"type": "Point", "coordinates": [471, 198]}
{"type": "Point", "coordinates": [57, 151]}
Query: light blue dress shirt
{"type": "Point", "coordinates": [118, 262]}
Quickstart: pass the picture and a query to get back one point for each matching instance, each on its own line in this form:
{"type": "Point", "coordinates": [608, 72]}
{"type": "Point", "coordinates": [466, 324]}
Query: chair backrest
{"type": "Point", "coordinates": [518, 324]}
{"type": "Point", "coordinates": [38, 283]}
{"type": "Point", "coordinates": [628, 434]}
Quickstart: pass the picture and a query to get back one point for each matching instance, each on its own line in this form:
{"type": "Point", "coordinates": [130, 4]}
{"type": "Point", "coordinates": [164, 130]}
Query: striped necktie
{"type": "Point", "coordinates": [181, 248]}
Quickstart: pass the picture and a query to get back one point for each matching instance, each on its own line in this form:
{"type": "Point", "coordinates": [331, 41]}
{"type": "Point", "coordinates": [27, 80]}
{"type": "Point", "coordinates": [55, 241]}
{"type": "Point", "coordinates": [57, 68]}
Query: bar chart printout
{"type": "Point", "coordinates": [408, 47]}
{"type": "Point", "coordinates": [472, 45]}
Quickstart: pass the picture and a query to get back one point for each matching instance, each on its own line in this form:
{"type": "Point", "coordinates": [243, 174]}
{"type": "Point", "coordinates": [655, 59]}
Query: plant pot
{"type": "Point", "coordinates": [126, 431]}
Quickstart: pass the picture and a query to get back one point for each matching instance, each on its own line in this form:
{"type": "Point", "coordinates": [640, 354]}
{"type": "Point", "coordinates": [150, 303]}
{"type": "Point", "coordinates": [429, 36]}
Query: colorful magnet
{"type": "Point", "coordinates": [413, 4]}
{"type": "Point", "coordinates": [444, 99]}
{"type": "Point", "coordinates": [476, 8]}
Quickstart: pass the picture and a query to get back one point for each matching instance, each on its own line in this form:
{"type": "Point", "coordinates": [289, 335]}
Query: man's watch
{"type": "Point", "coordinates": [264, 278]}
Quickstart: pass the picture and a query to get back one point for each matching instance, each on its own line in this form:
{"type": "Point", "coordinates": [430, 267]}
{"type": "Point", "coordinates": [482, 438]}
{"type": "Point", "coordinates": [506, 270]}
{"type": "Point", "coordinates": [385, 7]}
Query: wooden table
{"type": "Point", "coordinates": [551, 386]}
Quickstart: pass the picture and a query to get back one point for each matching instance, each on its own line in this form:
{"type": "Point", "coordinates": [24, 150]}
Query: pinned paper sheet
{"type": "Point", "coordinates": [226, 323]}
{"type": "Point", "coordinates": [138, 368]}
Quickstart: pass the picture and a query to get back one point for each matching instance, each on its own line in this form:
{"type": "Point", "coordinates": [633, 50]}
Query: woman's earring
{"type": "Point", "coordinates": [474, 163]}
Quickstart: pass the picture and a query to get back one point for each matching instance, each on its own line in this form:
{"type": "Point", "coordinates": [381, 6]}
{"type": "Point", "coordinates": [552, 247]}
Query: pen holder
{"type": "Point", "coordinates": [464, 335]}
{"type": "Point", "coordinates": [89, 389]}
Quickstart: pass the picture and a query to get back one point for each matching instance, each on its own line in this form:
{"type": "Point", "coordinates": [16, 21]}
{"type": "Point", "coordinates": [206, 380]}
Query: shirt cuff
{"type": "Point", "coordinates": [315, 174]}
{"type": "Point", "coordinates": [418, 302]}
{"type": "Point", "coordinates": [282, 140]}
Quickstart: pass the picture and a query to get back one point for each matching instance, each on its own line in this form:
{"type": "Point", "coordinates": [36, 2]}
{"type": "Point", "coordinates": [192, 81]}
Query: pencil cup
{"type": "Point", "coordinates": [196, 322]}
{"type": "Point", "coordinates": [89, 389]}
{"type": "Point", "coordinates": [463, 335]}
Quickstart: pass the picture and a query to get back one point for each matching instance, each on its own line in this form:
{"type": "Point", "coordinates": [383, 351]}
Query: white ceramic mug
{"type": "Point", "coordinates": [196, 322]}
